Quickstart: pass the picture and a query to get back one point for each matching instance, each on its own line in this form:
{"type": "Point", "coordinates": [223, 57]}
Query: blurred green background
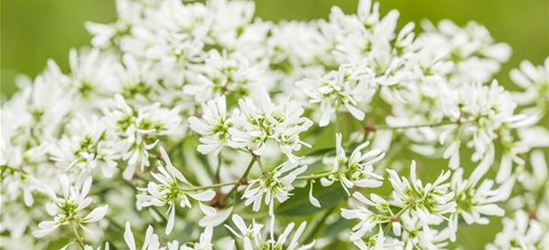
{"type": "Point", "coordinates": [36, 30]}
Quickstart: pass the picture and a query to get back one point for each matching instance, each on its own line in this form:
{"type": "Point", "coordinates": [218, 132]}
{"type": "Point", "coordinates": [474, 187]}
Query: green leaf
{"type": "Point", "coordinates": [322, 152]}
{"type": "Point", "coordinates": [299, 204]}
{"type": "Point", "coordinates": [335, 228]}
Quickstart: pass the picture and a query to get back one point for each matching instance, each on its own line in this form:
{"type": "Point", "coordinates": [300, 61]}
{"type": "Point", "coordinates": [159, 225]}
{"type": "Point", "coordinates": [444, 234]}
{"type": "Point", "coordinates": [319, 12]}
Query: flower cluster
{"type": "Point", "coordinates": [252, 127]}
{"type": "Point", "coordinates": [412, 213]}
{"type": "Point", "coordinates": [168, 191]}
{"type": "Point", "coordinates": [216, 128]}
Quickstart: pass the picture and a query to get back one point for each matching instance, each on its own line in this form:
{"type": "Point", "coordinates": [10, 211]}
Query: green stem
{"type": "Point", "coordinates": [243, 177]}
{"type": "Point", "coordinates": [319, 224]}
{"type": "Point", "coordinates": [218, 170]}
{"type": "Point", "coordinates": [396, 217]}
{"type": "Point", "coordinates": [6, 168]}
{"type": "Point", "coordinates": [439, 124]}
{"type": "Point", "coordinates": [319, 175]}
{"type": "Point", "coordinates": [209, 186]}
{"type": "Point", "coordinates": [540, 195]}
{"type": "Point", "coordinates": [79, 239]}
{"type": "Point", "coordinates": [160, 213]}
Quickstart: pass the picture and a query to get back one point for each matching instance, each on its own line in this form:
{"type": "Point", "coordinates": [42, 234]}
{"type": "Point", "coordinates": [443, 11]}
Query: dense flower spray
{"type": "Point", "coordinates": [218, 130]}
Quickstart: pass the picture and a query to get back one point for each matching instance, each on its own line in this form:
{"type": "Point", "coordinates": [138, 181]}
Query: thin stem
{"type": "Point", "coordinates": [112, 221]}
{"type": "Point", "coordinates": [218, 170]}
{"type": "Point", "coordinates": [319, 175]}
{"type": "Point", "coordinates": [439, 124]}
{"type": "Point", "coordinates": [235, 238]}
{"type": "Point", "coordinates": [160, 214]}
{"type": "Point", "coordinates": [396, 218]}
{"type": "Point", "coordinates": [209, 186]}
{"type": "Point", "coordinates": [540, 195]}
{"type": "Point", "coordinates": [79, 239]}
{"type": "Point", "coordinates": [261, 166]}
{"type": "Point", "coordinates": [6, 168]}
{"type": "Point", "coordinates": [337, 127]}
{"type": "Point", "coordinates": [319, 224]}
{"type": "Point", "coordinates": [243, 177]}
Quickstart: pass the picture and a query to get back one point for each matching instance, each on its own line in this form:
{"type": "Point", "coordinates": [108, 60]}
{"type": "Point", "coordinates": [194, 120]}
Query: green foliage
{"type": "Point", "coordinates": [299, 204]}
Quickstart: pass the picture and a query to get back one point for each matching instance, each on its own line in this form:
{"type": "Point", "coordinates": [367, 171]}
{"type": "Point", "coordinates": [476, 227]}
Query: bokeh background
{"type": "Point", "coordinates": [33, 31]}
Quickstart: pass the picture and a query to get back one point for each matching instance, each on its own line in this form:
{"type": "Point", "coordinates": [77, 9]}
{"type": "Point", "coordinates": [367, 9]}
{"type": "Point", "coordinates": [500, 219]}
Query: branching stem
{"type": "Point", "coordinates": [246, 172]}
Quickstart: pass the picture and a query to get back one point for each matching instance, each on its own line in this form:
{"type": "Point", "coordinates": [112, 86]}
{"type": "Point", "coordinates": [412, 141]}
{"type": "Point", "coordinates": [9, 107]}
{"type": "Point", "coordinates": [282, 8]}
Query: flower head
{"type": "Point", "coordinates": [213, 125]}
{"type": "Point", "coordinates": [355, 170]}
{"type": "Point", "coordinates": [70, 208]}
{"type": "Point", "coordinates": [169, 190]}
{"type": "Point", "coordinates": [271, 186]}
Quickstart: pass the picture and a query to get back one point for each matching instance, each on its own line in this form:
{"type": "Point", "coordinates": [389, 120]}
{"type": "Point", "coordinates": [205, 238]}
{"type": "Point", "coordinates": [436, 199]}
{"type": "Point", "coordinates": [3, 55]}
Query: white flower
{"type": "Point", "coordinates": [87, 247]}
{"type": "Point", "coordinates": [483, 112]}
{"type": "Point", "coordinates": [521, 232]}
{"type": "Point", "coordinates": [39, 109]}
{"type": "Point", "coordinates": [157, 120]}
{"type": "Point", "coordinates": [101, 33]}
{"type": "Point", "coordinates": [213, 125]}
{"type": "Point", "coordinates": [261, 121]}
{"type": "Point", "coordinates": [356, 170]}
{"type": "Point", "coordinates": [204, 243]}
{"type": "Point", "coordinates": [15, 181]}
{"type": "Point", "coordinates": [416, 235]}
{"type": "Point", "coordinates": [337, 89]}
{"type": "Point", "coordinates": [90, 144]}
{"type": "Point", "coordinates": [250, 234]}
{"type": "Point", "coordinates": [368, 219]}
{"type": "Point", "coordinates": [476, 55]}
{"type": "Point", "coordinates": [280, 242]}
{"type": "Point", "coordinates": [223, 74]}
{"type": "Point", "coordinates": [378, 242]}
{"type": "Point", "coordinates": [424, 200]}
{"type": "Point", "coordinates": [313, 200]}
{"type": "Point", "coordinates": [475, 203]}
{"type": "Point", "coordinates": [168, 191]}
{"type": "Point", "coordinates": [537, 177]}
{"type": "Point", "coordinates": [213, 217]}
{"type": "Point", "coordinates": [139, 130]}
{"type": "Point", "coordinates": [271, 186]}
{"type": "Point", "coordinates": [535, 82]}
{"type": "Point", "coordinates": [150, 242]}
{"type": "Point", "coordinates": [69, 207]}
{"type": "Point", "coordinates": [93, 73]}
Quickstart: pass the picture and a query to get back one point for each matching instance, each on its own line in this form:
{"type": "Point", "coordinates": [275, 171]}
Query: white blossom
{"type": "Point", "coordinates": [89, 145]}
{"type": "Point", "coordinates": [69, 208]}
{"type": "Point", "coordinates": [251, 235]}
{"type": "Point", "coordinates": [535, 82]}
{"type": "Point", "coordinates": [253, 239]}
{"type": "Point", "coordinates": [275, 185]}
{"type": "Point", "coordinates": [521, 232]}
{"type": "Point", "coordinates": [213, 125]}
{"type": "Point", "coordinates": [168, 191]}
{"type": "Point", "coordinates": [338, 89]}
{"type": "Point", "coordinates": [261, 121]}
{"type": "Point", "coordinates": [150, 242]}
{"type": "Point", "coordinates": [475, 203]}
{"type": "Point", "coordinates": [355, 170]}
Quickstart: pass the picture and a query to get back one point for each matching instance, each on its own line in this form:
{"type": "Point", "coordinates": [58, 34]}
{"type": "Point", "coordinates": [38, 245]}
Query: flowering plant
{"type": "Point", "coordinates": [199, 126]}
